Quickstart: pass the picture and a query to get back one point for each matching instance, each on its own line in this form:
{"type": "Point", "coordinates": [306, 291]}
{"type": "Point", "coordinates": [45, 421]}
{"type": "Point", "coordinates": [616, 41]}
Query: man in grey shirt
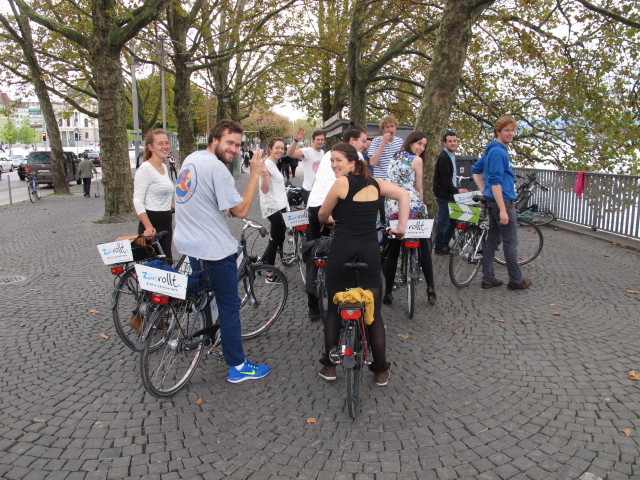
{"type": "Point", "coordinates": [205, 190]}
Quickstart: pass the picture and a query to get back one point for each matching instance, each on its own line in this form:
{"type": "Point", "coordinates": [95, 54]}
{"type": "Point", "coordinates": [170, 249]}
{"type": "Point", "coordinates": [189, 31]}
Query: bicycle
{"type": "Point", "coordinates": [33, 188]}
{"type": "Point", "coordinates": [291, 251]}
{"type": "Point", "coordinates": [320, 261]}
{"type": "Point", "coordinates": [180, 330]}
{"type": "Point", "coordinates": [353, 351]}
{"type": "Point", "coordinates": [410, 270]}
{"type": "Point", "coordinates": [528, 211]}
{"type": "Point", "coordinates": [466, 253]}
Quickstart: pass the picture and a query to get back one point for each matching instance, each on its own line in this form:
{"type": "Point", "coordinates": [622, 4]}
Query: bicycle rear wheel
{"type": "Point", "coordinates": [412, 280]}
{"type": "Point", "coordinates": [323, 300]}
{"type": "Point", "coordinates": [464, 262]}
{"type": "Point", "coordinates": [38, 193]}
{"type": "Point", "coordinates": [288, 253]}
{"type": "Point", "coordinates": [299, 238]}
{"type": "Point", "coordinates": [353, 375]}
{"type": "Point", "coordinates": [530, 242]}
{"type": "Point", "coordinates": [543, 217]}
{"type": "Point", "coordinates": [32, 195]}
{"type": "Point", "coordinates": [173, 348]}
{"type": "Point", "coordinates": [263, 293]}
{"type": "Point", "coordinates": [131, 310]}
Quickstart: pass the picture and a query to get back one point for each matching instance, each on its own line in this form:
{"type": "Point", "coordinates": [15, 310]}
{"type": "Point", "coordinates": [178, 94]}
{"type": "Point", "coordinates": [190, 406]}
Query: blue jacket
{"type": "Point", "coordinates": [496, 166]}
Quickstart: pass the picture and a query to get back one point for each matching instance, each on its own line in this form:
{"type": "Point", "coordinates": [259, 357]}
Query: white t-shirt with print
{"type": "Point", "coordinates": [276, 198]}
{"type": "Point", "coordinates": [310, 164]}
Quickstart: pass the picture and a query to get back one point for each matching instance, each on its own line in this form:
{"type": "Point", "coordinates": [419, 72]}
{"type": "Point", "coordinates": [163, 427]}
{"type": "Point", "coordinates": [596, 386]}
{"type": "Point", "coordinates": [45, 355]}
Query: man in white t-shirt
{"type": "Point", "coordinates": [325, 178]}
{"type": "Point", "coordinates": [204, 192]}
{"type": "Point", "coordinates": [310, 156]}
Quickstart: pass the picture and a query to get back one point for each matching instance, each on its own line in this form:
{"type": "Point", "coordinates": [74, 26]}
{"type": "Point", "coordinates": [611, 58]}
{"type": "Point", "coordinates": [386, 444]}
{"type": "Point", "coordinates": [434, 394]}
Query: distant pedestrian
{"type": "Point", "coordinates": [86, 169]}
{"type": "Point", "coordinates": [293, 164]}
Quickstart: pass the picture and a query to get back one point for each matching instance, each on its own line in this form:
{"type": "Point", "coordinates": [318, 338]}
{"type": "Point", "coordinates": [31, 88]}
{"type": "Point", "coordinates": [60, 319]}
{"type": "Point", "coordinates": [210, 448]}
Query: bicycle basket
{"type": "Point", "coordinates": [294, 196]}
{"type": "Point", "coordinates": [142, 250]}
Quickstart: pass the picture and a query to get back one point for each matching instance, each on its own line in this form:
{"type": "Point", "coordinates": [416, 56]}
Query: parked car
{"type": "Point", "coordinates": [5, 164]}
{"type": "Point", "coordinates": [95, 158]}
{"type": "Point", "coordinates": [16, 159]}
{"type": "Point", "coordinates": [40, 163]}
{"type": "Point", "coordinates": [23, 170]}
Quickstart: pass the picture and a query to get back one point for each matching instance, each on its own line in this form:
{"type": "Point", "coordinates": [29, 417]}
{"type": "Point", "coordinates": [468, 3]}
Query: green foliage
{"type": "Point", "coordinates": [268, 125]}
{"type": "Point", "coordinates": [25, 133]}
{"type": "Point", "coordinates": [8, 132]}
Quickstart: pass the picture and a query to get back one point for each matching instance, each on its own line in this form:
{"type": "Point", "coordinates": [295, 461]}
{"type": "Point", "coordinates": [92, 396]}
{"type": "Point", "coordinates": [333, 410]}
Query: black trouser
{"type": "Point", "coordinates": [161, 221]}
{"type": "Point", "coordinates": [305, 195]}
{"type": "Point", "coordinates": [276, 237]}
{"type": "Point", "coordinates": [313, 232]}
{"type": "Point", "coordinates": [86, 186]}
{"type": "Point", "coordinates": [391, 262]}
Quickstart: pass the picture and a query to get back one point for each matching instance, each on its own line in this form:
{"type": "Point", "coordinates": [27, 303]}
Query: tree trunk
{"type": "Point", "coordinates": [114, 152]}
{"type": "Point", "coordinates": [449, 55]}
{"type": "Point", "coordinates": [60, 183]}
{"type": "Point", "coordinates": [355, 70]}
{"type": "Point", "coordinates": [182, 107]}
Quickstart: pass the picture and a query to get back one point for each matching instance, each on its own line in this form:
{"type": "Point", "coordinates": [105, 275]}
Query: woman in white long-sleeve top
{"type": "Point", "coordinates": [153, 191]}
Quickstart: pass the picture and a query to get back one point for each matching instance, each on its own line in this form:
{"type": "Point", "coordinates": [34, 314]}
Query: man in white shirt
{"type": "Point", "coordinates": [325, 178]}
{"type": "Point", "coordinates": [204, 192]}
{"type": "Point", "coordinates": [310, 156]}
{"type": "Point", "coordinates": [382, 150]}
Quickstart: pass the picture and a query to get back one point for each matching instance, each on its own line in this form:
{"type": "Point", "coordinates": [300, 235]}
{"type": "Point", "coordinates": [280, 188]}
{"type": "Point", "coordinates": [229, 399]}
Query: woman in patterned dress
{"type": "Point", "coordinates": [405, 170]}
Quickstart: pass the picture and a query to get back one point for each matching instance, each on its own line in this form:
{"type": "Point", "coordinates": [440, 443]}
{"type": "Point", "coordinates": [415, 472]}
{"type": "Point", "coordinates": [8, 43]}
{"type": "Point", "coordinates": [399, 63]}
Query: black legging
{"type": "Point", "coordinates": [276, 237]}
{"type": "Point", "coordinates": [391, 262]}
{"type": "Point", "coordinates": [162, 220]}
{"type": "Point", "coordinates": [375, 330]}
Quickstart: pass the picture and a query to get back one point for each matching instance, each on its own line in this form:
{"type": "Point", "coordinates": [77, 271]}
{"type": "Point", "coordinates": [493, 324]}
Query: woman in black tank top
{"type": "Point", "coordinates": [353, 203]}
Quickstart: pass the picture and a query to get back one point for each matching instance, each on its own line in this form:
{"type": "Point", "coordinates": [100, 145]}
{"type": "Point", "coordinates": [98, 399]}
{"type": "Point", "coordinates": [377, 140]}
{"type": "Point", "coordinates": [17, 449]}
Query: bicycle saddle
{"type": "Point", "coordinates": [356, 266]}
{"type": "Point", "coordinates": [479, 198]}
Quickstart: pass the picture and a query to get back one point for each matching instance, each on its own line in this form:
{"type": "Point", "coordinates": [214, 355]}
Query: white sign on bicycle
{"type": "Point", "coordinates": [155, 280]}
{"type": "Point", "coordinates": [416, 228]}
{"type": "Point", "coordinates": [116, 252]}
{"type": "Point", "coordinates": [466, 198]}
{"type": "Point", "coordinates": [296, 217]}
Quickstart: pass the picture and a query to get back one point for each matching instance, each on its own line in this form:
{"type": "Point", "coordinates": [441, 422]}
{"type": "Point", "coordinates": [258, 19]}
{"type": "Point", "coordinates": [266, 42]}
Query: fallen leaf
{"type": "Point", "coordinates": [33, 289]}
{"type": "Point", "coordinates": [403, 336]}
{"type": "Point", "coordinates": [552, 304]}
{"type": "Point", "coordinates": [22, 325]}
{"type": "Point", "coordinates": [626, 431]}
{"type": "Point", "coordinates": [460, 330]}
{"type": "Point", "coordinates": [106, 337]}
{"type": "Point", "coordinates": [199, 401]}
{"type": "Point", "coordinates": [633, 375]}
{"type": "Point", "coordinates": [54, 232]}
{"type": "Point", "coordinates": [95, 312]}
{"type": "Point", "coordinates": [56, 274]}
{"type": "Point", "coordinates": [500, 320]}
{"type": "Point", "coordinates": [556, 229]}
{"type": "Point", "coordinates": [632, 291]}
{"type": "Point", "coordinates": [311, 420]}
{"type": "Point", "coordinates": [555, 313]}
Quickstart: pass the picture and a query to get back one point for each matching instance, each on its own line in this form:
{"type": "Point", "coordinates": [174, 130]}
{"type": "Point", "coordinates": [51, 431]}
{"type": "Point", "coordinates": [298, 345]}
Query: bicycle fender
{"type": "Point", "coordinates": [349, 362]}
{"type": "Point", "coordinates": [150, 325]}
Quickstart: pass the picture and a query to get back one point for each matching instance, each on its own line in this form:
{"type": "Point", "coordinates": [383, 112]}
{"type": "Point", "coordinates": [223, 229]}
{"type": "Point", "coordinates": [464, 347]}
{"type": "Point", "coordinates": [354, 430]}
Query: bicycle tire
{"type": "Point", "coordinates": [353, 375]}
{"type": "Point", "coordinates": [38, 193]}
{"type": "Point", "coordinates": [131, 310]}
{"type": "Point", "coordinates": [169, 358]}
{"type": "Point", "coordinates": [544, 217]}
{"type": "Point", "coordinates": [323, 300]}
{"type": "Point", "coordinates": [32, 195]}
{"type": "Point", "coordinates": [288, 252]}
{"type": "Point", "coordinates": [261, 302]}
{"type": "Point", "coordinates": [412, 281]}
{"type": "Point", "coordinates": [299, 238]}
{"type": "Point", "coordinates": [530, 243]}
{"type": "Point", "coordinates": [463, 264]}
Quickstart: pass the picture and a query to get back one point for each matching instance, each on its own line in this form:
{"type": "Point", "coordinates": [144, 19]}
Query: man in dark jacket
{"type": "Point", "coordinates": [445, 185]}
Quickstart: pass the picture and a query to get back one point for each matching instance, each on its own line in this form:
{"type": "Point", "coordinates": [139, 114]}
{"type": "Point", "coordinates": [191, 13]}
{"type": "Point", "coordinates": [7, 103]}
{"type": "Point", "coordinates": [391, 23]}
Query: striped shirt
{"type": "Point", "coordinates": [382, 168]}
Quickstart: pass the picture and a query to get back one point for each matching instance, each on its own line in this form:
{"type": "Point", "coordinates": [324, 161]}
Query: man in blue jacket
{"type": "Point", "coordinates": [499, 188]}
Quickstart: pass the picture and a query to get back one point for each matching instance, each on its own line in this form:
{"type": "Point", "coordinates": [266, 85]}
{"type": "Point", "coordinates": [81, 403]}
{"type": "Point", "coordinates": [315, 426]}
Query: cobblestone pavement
{"type": "Point", "coordinates": [485, 384]}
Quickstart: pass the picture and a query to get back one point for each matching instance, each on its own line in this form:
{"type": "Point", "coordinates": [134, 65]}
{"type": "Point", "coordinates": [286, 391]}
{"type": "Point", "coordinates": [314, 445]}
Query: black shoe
{"type": "Point", "coordinates": [314, 314]}
{"type": "Point", "coordinates": [431, 294]}
{"type": "Point", "coordinates": [443, 251]}
{"type": "Point", "coordinates": [387, 299]}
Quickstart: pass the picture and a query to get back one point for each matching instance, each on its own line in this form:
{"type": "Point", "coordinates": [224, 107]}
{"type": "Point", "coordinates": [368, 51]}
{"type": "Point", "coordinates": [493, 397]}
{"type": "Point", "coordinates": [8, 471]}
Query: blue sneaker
{"type": "Point", "coordinates": [249, 371]}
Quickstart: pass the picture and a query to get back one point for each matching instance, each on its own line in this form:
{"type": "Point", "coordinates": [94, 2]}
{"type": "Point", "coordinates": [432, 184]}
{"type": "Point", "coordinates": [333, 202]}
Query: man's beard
{"type": "Point", "coordinates": [221, 154]}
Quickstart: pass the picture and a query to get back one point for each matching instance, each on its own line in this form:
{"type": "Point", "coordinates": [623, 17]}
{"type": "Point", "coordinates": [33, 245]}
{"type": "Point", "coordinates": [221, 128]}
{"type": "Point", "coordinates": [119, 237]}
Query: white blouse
{"type": "Point", "coordinates": [151, 190]}
{"type": "Point", "coordinates": [276, 198]}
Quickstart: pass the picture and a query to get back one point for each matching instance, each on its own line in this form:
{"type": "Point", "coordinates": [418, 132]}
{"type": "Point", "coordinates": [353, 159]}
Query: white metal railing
{"type": "Point", "coordinates": [610, 202]}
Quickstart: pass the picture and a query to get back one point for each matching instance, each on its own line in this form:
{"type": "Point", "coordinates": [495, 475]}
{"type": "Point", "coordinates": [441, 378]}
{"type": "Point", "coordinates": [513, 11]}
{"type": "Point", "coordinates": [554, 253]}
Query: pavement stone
{"type": "Point", "coordinates": [537, 396]}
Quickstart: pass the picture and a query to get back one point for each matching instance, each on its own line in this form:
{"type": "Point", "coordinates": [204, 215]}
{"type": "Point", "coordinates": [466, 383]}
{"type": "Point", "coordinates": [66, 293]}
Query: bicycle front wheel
{"type": "Point", "coordinates": [172, 349]}
{"type": "Point", "coordinates": [530, 241]}
{"type": "Point", "coordinates": [543, 217]}
{"type": "Point", "coordinates": [263, 293]}
{"type": "Point", "coordinates": [38, 193]}
{"type": "Point", "coordinates": [32, 195]}
{"type": "Point", "coordinates": [131, 310]}
{"type": "Point", "coordinates": [465, 261]}
{"type": "Point", "coordinates": [412, 281]}
{"type": "Point", "coordinates": [353, 375]}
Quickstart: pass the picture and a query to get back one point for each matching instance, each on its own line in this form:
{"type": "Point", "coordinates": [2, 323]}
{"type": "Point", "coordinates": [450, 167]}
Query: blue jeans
{"type": "Point", "coordinates": [219, 274]}
{"type": "Point", "coordinates": [509, 235]}
{"type": "Point", "coordinates": [444, 225]}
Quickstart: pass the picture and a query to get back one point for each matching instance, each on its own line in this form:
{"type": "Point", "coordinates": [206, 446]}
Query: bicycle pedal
{"type": "Point", "coordinates": [215, 352]}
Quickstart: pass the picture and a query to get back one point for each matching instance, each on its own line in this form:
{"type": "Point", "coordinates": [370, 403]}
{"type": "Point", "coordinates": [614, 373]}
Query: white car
{"type": "Point", "coordinates": [6, 165]}
{"type": "Point", "coordinates": [16, 159]}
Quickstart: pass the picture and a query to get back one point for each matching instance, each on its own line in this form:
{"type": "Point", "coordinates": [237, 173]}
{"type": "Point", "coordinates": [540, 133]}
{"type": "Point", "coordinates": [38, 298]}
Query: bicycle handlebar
{"type": "Point", "coordinates": [250, 223]}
